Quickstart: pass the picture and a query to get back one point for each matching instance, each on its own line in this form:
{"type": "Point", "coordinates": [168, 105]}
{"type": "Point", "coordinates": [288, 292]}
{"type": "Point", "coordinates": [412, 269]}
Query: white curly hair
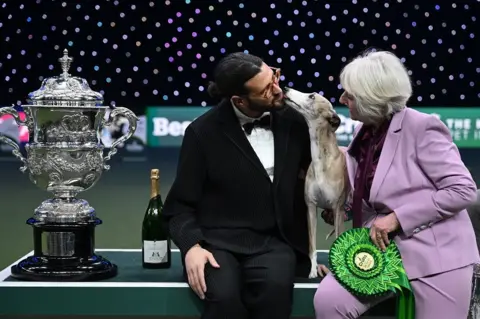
{"type": "Point", "coordinates": [379, 83]}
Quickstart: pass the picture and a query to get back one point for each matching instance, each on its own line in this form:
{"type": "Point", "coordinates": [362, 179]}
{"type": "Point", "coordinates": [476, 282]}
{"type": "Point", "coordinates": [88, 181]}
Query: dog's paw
{"type": "Point", "coordinates": [313, 270]}
{"type": "Point", "coordinates": [313, 274]}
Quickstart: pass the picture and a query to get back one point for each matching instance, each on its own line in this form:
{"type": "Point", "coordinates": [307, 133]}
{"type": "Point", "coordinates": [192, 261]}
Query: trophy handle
{"type": "Point", "coordinates": [9, 141]}
{"type": "Point", "coordinates": [132, 126]}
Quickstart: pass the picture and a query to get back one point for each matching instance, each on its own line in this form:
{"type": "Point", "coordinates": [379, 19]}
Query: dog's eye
{"type": "Point", "coordinates": [312, 96]}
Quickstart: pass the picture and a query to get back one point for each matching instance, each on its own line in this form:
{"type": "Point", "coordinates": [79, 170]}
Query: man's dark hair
{"type": "Point", "coordinates": [231, 74]}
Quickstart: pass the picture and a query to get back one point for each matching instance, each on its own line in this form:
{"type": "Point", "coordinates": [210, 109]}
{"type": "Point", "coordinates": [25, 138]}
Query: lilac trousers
{"type": "Point", "coordinates": [442, 296]}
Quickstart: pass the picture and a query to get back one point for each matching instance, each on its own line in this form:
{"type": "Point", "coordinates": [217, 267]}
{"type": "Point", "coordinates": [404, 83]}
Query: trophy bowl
{"type": "Point", "coordinates": [65, 172]}
{"type": "Point", "coordinates": [65, 156]}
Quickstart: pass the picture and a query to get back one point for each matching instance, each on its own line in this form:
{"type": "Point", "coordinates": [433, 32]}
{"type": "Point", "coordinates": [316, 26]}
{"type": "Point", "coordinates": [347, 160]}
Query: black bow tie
{"type": "Point", "coordinates": [264, 122]}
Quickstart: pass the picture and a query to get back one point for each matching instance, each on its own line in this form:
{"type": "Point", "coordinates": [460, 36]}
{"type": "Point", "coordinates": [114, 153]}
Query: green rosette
{"type": "Point", "coordinates": [365, 271]}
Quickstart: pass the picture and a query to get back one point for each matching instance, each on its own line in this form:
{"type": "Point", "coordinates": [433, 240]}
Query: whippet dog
{"type": "Point", "coordinates": [326, 184]}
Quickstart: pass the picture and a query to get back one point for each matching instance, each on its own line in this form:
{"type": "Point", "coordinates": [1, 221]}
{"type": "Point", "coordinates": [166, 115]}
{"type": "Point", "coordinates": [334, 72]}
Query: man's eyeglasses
{"type": "Point", "coordinates": [268, 91]}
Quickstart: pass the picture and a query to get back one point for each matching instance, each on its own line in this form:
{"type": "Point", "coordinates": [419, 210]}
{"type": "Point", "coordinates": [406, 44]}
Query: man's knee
{"type": "Point", "coordinates": [227, 302]}
{"type": "Point", "coordinates": [280, 266]}
{"type": "Point", "coordinates": [271, 298]}
{"type": "Point", "coordinates": [226, 305]}
{"type": "Point", "coordinates": [278, 290]}
{"type": "Point", "coordinates": [223, 295]}
{"type": "Point", "coordinates": [222, 291]}
{"type": "Point", "coordinates": [270, 277]}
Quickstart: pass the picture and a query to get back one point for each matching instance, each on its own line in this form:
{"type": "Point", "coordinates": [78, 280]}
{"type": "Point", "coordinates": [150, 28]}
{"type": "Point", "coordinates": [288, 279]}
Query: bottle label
{"type": "Point", "coordinates": [155, 252]}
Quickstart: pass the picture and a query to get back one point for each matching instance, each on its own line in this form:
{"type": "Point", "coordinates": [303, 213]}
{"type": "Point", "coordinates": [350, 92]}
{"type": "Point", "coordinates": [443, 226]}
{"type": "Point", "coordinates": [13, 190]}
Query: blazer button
{"type": "Point", "coordinates": [423, 227]}
{"type": "Point", "coordinates": [416, 230]}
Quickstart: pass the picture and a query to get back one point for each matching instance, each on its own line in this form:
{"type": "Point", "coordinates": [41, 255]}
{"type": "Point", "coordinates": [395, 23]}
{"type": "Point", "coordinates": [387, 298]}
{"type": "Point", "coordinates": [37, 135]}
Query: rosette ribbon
{"type": "Point", "coordinates": [365, 271]}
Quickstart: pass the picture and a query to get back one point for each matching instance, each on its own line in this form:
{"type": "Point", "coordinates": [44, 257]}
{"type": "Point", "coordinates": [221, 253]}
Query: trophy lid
{"type": "Point", "coordinates": [65, 90]}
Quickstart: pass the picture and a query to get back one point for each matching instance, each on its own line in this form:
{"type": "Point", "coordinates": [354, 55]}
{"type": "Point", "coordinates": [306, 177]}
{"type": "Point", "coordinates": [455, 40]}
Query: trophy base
{"type": "Point", "coordinates": [62, 269]}
{"type": "Point", "coordinates": [64, 252]}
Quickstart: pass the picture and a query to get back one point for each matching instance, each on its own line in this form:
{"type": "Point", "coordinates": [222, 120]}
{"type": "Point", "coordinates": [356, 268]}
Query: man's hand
{"type": "Point", "coordinates": [381, 228]}
{"type": "Point", "coordinates": [195, 261]}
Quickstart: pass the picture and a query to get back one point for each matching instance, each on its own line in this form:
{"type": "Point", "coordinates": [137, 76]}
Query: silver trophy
{"type": "Point", "coordinates": [65, 156]}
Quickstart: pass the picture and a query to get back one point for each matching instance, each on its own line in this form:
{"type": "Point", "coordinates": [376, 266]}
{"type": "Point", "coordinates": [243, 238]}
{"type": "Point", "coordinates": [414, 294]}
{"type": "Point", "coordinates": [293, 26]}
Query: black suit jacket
{"type": "Point", "coordinates": [223, 196]}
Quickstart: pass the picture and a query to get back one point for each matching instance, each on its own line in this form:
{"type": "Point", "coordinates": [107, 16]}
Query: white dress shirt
{"type": "Point", "coordinates": [261, 140]}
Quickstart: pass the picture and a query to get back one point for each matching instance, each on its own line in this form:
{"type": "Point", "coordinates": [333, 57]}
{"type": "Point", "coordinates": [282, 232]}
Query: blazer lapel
{"type": "Point", "coordinates": [232, 129]}
{"type": "Point", "coordinates": [281, 133]}
{"type": "Point", "coordinates": [388, 153]}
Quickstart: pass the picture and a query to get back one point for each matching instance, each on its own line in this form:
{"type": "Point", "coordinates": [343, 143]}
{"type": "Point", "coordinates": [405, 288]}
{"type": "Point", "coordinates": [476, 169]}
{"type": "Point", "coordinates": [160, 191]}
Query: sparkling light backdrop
{"type": "Point", "coordinates": [163, 52]}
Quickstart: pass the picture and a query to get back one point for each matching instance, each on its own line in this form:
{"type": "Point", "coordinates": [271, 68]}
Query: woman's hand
{"type": "Point", "coordinates": [322, 270]}
{"type": "Point", "coordinates": [381, 228]}
{"type": "Point", "coordinates": [329, 218]}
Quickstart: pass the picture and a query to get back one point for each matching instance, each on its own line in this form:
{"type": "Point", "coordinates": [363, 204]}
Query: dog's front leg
{"type": "Point", "coordinates": [312, 236]}
{"type": "Point", "coordinates": [339, 220]}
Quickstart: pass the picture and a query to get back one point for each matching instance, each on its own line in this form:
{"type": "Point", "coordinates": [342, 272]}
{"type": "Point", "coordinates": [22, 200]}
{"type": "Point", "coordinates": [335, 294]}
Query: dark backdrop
{"type": "Point", "coordinates": [162, 53]}
{"type": "Point", "coordinates": [143, 53]}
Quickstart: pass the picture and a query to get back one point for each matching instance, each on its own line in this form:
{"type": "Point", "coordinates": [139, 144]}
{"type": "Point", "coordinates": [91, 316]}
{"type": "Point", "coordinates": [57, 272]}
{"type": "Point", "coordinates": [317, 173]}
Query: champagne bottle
{"type": "Point", "coordinates": [156, 251]}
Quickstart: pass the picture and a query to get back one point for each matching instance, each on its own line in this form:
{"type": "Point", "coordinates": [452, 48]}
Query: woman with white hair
{"type": "Point", "coordinates": [409, 185]}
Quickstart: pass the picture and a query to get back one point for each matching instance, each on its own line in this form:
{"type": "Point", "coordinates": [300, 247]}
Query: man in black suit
{"type": "Point", "coordinates": [236, 209]}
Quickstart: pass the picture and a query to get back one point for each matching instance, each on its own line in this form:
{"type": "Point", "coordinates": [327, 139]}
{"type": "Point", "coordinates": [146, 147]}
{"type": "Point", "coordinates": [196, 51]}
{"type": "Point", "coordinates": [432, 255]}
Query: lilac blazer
{"type": "Point", "coordinates": [421, 177]}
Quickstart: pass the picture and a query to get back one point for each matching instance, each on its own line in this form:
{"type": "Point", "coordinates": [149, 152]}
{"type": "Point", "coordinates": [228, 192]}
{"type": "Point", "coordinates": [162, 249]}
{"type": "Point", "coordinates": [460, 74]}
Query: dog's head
{"type": "Point", "coordinates": [314, 108]}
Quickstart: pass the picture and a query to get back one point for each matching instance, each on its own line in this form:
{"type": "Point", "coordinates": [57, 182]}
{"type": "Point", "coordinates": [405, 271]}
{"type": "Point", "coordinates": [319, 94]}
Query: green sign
{"type": "Point", "coordinates": [463, 123]}
{"type": "Point", "coordinates": [166, 125]}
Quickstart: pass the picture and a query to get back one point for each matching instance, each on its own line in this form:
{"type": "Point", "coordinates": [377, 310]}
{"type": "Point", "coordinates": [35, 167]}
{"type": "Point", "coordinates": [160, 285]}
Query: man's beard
{"type": "Point", "coordinates": [275, 105]}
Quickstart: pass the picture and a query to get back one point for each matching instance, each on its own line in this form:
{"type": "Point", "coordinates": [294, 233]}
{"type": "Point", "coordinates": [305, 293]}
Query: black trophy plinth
{"type": "Point", "coordinates": [64, 252]}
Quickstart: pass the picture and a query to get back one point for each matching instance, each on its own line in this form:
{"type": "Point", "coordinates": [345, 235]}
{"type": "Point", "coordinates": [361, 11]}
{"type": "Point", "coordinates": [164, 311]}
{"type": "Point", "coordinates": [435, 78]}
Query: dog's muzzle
{"type": "Point", "coordinates": [335, 121]}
